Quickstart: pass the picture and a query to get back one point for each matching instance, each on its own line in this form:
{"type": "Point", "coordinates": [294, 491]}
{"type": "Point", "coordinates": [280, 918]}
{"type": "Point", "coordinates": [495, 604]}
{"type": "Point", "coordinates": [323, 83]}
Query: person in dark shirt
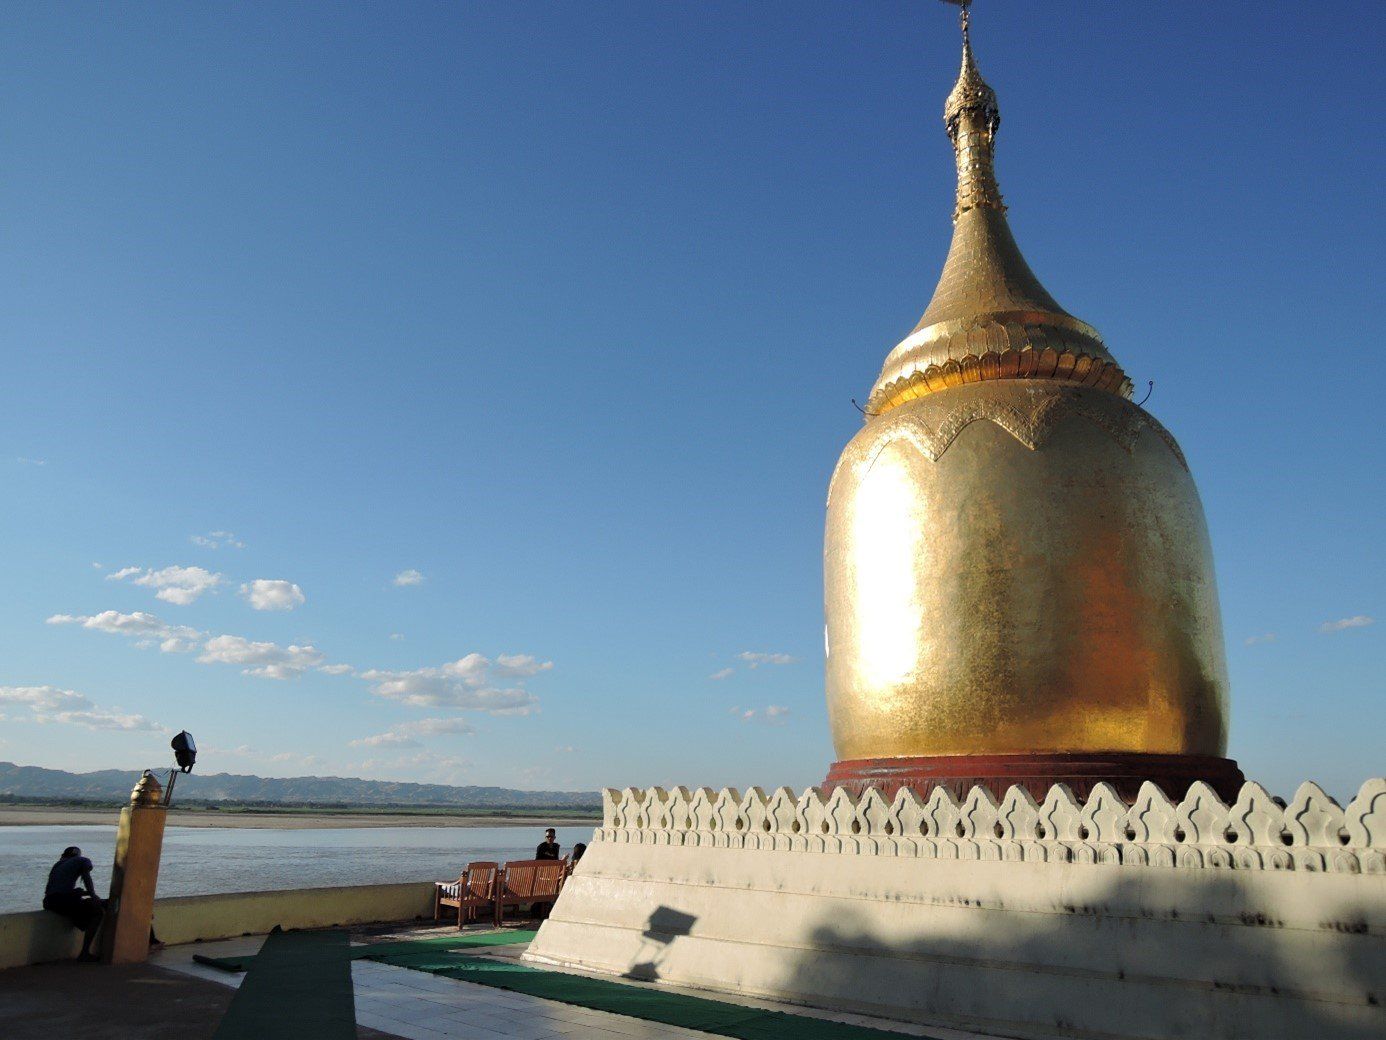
{"type": "Point", "coordinates": [578, 850]}
{"type": "Point", "coordinates": [62, 896]}
{"type": "Point", "coordinates": [548, 848]}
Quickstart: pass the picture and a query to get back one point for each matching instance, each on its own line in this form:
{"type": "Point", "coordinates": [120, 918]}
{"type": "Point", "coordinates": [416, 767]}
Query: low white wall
{"type": "Point", "coordinates": [193, 918]}
{"type": "Point", "coordinates": [1095, 920]}
{"type": "Point", "coordinates": [37, 937]}
{"type": "Point", "coordinates": [32, 938]}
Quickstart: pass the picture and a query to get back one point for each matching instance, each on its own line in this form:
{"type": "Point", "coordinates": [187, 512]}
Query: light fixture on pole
{"type": "Point", "coordinates": [184, 754]}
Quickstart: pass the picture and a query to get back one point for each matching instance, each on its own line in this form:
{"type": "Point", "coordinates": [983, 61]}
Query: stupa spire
{"type": "Point", "coordinates": [972, 116]}
{"type": "Point", "coordinates": [990, 318]}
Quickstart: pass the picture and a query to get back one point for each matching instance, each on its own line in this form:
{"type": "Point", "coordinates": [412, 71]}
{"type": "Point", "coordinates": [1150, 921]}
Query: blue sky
{"type": "Point", "coordinates": [562, 307]}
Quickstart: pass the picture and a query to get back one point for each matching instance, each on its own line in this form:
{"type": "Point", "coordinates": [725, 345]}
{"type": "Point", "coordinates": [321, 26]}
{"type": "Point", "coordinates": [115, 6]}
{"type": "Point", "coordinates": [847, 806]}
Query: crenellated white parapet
{"type": "Point", "coordinates": [1312, 833]}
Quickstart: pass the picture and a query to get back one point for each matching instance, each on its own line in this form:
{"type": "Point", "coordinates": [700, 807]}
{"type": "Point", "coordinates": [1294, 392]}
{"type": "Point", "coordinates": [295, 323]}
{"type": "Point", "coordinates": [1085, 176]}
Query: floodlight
{"type": "Point", "coordinates": [184, 751]}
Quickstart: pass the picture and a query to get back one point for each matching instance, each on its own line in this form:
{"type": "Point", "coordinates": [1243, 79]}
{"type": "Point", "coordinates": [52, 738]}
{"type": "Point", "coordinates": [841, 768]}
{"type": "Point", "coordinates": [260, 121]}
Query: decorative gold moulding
{"type": "Point", "coordinates": [1027, 363]}
{"type": "Point", "coordinates": [1017, 344]}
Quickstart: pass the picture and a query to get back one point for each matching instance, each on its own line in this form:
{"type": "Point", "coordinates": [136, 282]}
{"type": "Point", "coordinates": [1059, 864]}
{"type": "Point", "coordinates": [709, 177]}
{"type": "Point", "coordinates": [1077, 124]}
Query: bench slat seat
{"type": "Point", "coordinates": [476, 888]}
{"type": "Point", "coordinates": [529, 881]}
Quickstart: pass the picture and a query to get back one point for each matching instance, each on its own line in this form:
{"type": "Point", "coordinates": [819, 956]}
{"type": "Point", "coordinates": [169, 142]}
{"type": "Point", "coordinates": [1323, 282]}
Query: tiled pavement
{"type": "Point", "coordinates": [415, 1005]}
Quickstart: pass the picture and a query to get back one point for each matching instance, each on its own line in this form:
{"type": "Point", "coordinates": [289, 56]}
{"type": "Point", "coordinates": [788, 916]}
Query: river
{"type": "Point", "coordinates": [204, 860]}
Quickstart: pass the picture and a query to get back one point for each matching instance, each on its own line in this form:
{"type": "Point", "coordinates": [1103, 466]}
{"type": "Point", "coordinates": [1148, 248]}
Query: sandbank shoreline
{"type": "Point", "coordinates": [21, 816]}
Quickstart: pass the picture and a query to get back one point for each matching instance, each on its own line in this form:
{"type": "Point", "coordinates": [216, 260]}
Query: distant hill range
{"type": "Point", "coordinates": [113, 786]}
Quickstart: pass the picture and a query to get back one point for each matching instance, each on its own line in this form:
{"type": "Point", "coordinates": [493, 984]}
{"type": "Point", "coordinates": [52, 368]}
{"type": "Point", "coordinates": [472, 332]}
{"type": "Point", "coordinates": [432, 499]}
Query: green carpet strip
{"type": "Point", "coordinates": [463, 941]}
{"type": "Point", "coordinates": [299, 988]}
{"type": "Point", "coordinates": [437, 957]}
{"type": "Point", "coordinates": [479, 940]}
{"type": "Point", "coordinates": [651, 1005]}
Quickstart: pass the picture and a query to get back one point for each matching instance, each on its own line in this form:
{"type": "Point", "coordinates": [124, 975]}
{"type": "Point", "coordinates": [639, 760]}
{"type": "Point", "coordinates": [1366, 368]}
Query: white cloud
{"type": "Point", "coordinates": [239, 751]}
{"type": "Point", "coordinates": [565, 749]}
{"type": "Point", "coordinates": [440, 768]}
{"type": "Point", "coordinates": [406, 734]}
{"type": "Point", "coordinates": [427, 688]}
{"type": "Point", "coordinates": [1267, 637]}
{"type": "Point", "coordinates": [272, 594]}
{"type": "Point", "coordinates": [397, 636]}
{"type": "Point", "coordinates": [409, 577]}
{"type": "Point", "coordinates": [178, 585]}
{"type": "Point", "coordinates": [473, 683]}
{"type": "Point", "coordinates": [44, 698]}
{"type": "Point", "coordinates": [771, 715]}
{"type": "Point", "coordinates": [725, 673]}
{"type": "Point", "coordinates": [23, 461]}
{"type": "Point", "coordinates": [68, 707]}
{"type": "Point", "coordinates": [208, 752]}
{"type": "Point", "coordinates": [1357, 621]}
{"type": "Point", "coordinates": [390, 738]}
{"type": "Point", "coordinates": [146, 629]}
{"type": "Point", "coordinates": [265, 660]}
{"type": "Point", "coordinates": [755, 660]}
{"type": "Point", "coordinates": [107, 720]}
{"type": "Point", "coordinates": [217, 540]}
{"type": "Point", "coordinates": [435, 727]}
{"type": "Point", "coordinates": [298, 759]}
{"type": "Point", "coordinates": [518, 665]}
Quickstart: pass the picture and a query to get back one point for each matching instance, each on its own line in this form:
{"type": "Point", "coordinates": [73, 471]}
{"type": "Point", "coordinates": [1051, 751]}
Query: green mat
{"type": "Point", "coordinates": [377, 951]}
{"type": "Point", "coordinates": [461, 941]}
{"type": "Point", "coordinates": [651, 1005]}
{"type": "Point", "coordinates": [299, 988]}
{"type": "Point", "coordinates": [437, 957]}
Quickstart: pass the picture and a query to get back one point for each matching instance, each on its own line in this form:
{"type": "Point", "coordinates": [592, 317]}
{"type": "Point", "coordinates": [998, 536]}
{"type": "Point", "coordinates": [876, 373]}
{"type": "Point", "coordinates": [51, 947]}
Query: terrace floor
{"type": "Point", "coordinates": [175, 996]}
{"type": "Point", "coordinates": [417, 1006]}
{"type": "Point", "coordinates": [71, 1001]}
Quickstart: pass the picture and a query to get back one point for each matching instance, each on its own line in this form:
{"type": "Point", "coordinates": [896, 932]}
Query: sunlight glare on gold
{"type": "Point", "coordinates": [886, 543]}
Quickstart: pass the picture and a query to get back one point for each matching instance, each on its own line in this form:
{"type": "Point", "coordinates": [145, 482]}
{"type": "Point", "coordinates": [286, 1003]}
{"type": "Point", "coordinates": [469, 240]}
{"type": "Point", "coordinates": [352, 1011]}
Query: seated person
{"type": "Point", "coordinates": [578, 850]}
{"type": "Point", "coordinates": [548, 848]}
{"type": "Point", "coordinates": [62, 896]}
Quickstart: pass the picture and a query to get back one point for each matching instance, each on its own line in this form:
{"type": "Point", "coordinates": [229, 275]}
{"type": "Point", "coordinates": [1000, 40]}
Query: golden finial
{"type": "Point", "coordinates": [147, 790]}
{"type": "Point", "coordinates": [972, 117]}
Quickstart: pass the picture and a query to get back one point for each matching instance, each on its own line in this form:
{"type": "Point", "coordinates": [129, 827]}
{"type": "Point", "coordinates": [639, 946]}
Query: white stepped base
{"type": "Point", "coordinates": [1025, 949]}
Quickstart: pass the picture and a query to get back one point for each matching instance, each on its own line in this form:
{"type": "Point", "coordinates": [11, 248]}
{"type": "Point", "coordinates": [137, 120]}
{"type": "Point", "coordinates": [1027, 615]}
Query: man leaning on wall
{"type": "Point", "coordinates": [63, 896]}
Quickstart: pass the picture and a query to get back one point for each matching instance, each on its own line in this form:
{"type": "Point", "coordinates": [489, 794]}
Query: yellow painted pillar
{"type": "Point", "coordinates": [135, 875]}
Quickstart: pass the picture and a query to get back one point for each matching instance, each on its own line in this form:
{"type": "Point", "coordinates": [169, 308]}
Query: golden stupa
{"type": "Point", "coordinates": [1018, 579]}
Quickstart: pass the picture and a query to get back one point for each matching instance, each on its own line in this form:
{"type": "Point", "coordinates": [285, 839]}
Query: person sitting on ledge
{"type": "Point", "coordinates": [62, 896]}
{"type": "Point", "coordinates": [548, 848]}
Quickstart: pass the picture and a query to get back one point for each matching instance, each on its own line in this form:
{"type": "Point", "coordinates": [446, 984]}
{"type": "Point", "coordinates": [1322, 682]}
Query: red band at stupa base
{"type": "Point", "coordinates": [1124, 770]}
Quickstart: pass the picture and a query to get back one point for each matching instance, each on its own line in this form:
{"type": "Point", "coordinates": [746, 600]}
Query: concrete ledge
{"type": "Point", "coordinates": [35, 937]}
{"type": "Point", "coordinates": [194, 918]}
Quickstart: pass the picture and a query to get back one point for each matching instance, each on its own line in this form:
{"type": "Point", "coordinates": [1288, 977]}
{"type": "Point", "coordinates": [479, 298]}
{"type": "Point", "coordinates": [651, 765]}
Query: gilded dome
{"type": "Point", "coordinates": [1016, 561]}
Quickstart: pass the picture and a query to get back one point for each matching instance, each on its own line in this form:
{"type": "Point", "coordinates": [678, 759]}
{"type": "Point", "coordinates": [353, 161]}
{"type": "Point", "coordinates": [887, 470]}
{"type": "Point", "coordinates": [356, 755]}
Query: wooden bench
{"type": "Point", "coordinates": [529, 881]}
{"type": "Point", "coordinates": [476, 888]}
